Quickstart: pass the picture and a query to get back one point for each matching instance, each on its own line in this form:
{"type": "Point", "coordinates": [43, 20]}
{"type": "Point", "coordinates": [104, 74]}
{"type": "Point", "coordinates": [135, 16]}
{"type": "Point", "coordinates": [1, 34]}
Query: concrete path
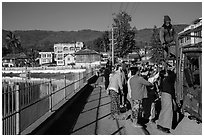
{"type": "Point", "coordinates": [95, 117]}
{"type": "Point", "coordinates": [89, 114]}
{"type": "Point", "coordinates": [185, 127]}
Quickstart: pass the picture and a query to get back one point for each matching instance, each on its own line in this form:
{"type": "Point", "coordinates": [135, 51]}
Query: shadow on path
{"type": "Point", "coordinates": [97, 99]}
{"type": "Point", "coordinates": [114, 133]}
{"type": "Point", "coordinates": [95, 107]}
{"type": "Point", "coordinates": [65, 123]}
{"type": "Point", "coordinates": [91, 123]}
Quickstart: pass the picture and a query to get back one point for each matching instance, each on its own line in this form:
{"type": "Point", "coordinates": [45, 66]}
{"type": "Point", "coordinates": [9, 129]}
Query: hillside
{"type": "Point", "coordinates": [44, 40]}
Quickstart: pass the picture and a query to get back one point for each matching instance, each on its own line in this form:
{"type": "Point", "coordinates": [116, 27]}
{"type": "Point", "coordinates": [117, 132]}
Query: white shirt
{"type": "Point", "coordinates": [154, 78]}
{"type": "Point", "coordinates": [129, 89]}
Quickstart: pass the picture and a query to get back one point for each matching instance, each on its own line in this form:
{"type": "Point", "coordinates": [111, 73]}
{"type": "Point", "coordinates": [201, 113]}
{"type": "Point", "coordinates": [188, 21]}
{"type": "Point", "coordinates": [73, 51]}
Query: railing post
{"type": "Point", "coordinates": [50, 96]}
{"type": "Point", "coordinates": [78, 82]}
{"type": "Point", "coordinates": [65, 87]}
{"type": "Point", "coordinates": [17, 110]}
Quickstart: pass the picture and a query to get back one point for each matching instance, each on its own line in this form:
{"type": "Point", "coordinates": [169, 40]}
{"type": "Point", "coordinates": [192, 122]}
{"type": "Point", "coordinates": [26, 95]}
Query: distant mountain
{"type": "Point", "coordinates": [44, 40]}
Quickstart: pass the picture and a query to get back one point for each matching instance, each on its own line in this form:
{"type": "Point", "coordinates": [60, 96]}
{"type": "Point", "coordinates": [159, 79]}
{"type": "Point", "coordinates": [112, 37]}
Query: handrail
{"type": "Point", "coordinates": [10, 111]}
{"type": "Point", "coordinates": [42, 82]}
{"type": "Point", "coordinates": [48, 94]}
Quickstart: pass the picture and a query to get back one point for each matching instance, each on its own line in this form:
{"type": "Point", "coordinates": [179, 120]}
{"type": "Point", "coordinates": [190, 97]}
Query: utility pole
{"type": "Point", "coordinates": [112, 47]}
{"type": "Point", "coordinates": [112, 44]}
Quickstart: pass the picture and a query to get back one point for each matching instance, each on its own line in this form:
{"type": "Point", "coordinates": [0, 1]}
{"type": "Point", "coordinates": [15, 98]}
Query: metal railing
{"type": "Point", "coordinates": [42, 68]}
{"type": "Point", "coordinates": [22, 106]}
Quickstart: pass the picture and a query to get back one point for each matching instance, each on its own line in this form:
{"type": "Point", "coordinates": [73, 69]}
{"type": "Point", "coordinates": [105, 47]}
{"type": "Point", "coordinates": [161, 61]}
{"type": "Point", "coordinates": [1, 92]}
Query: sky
{"type": "Point", "coordinates": [69, 16]}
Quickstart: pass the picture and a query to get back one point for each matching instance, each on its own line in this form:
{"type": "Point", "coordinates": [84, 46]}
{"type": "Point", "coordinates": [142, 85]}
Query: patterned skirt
{"type": "Point", "coordinates": [136, 109]}
{"type": "Point", "coordinates": [114, 102]}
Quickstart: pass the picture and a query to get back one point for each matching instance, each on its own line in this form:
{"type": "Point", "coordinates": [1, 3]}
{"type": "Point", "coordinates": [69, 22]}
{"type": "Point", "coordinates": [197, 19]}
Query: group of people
{"type": "Point", "coordinates": [147, 91]}
{"type": "Point", "coordinates": [141, 88]}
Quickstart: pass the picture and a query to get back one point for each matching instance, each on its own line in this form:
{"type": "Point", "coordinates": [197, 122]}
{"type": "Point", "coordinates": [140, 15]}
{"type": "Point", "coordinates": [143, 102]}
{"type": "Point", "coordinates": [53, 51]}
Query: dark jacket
{"type": "Point", "coordinates": [168, 84]}
{"type": "Point", "coordinates": [106, 73]}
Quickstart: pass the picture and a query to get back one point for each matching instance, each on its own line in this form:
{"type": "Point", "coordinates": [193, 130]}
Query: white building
{"type": "Point", "coordinates": [61, 50]}
{"type": "Point", "coordinates": [195, 29]}
{"type": "Point", "coordinates": [45, 57]}
{"type": "Point", "coordinates": [69, 59]}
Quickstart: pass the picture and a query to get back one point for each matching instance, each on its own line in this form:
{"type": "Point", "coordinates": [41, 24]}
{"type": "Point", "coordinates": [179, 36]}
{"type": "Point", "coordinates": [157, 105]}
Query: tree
{"type": "Point", "coordinates": [106, 41]}
{"type": "Point", "coordinates": [5, 51]}
{"type": "Point", "coordinates": [13, 43]}
{"type": "Point", "coordinates": [98, 44]}
{"type": "Point", "coordinates": [101, 44]}
{"type": "Point", "coordinates": [124, 34]}
{"type": "Point", "coordinates": [157, 54]}
{"type": "Point", "coordinates": [33, 55]}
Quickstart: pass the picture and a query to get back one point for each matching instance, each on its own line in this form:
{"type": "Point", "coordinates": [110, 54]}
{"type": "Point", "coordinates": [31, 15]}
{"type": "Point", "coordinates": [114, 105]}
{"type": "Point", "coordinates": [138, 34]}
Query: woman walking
{"type": "Point", "coordinates": [114, 88]}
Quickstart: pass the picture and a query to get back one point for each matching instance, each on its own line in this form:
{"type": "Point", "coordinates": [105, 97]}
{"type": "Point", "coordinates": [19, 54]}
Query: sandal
{"type": "Point", "coordinates": [165, 130]}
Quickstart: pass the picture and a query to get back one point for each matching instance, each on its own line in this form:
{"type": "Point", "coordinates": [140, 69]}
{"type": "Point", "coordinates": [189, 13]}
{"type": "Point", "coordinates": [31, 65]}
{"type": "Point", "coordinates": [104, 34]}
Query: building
{"type": "Point", "coordinates": [46, 57]}
{"type": "Point", "coordinates": [190, 48]}
{"type": "Point", "coordinates": [61, 50]}
{"type": "Point", "coordinates": [87, 57]}
{"type": "Point", "coordinates": [69, 60]}
{"type": "Point", "coordinates": [191, 35]}
{"type": "Point", "coordinates": [189, 86]}
{"type": "Point", "coordinates": [15, 60]}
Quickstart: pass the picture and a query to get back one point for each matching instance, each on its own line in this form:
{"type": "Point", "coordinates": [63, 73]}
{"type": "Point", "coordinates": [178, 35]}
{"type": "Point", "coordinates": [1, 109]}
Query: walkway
{"type": "Point", "coordinates": [95, 117]}
{"type": "Point", "coordinates": [89, 114]}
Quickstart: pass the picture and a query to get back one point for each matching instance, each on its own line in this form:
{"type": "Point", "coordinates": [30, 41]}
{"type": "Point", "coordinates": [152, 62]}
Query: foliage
{"type": "Point", "coordinates": [98, 44]}
{"type": "Point", "coordinates": [102, 43]}
{"type": "Point", "coordinates": [5, 51]}
{"type": "Point", "coordinates": [157, 52]}
{"type": "Point", "coordinates": [44, 40]}
{"type": "Point", "coordinates": [13, 43]}
{"type": "Point", "coordinates": [33, 55]}
{"type": "Point", "coordinates": [124, 34]}
{"type": "Point", "coordinates": [106, 41]}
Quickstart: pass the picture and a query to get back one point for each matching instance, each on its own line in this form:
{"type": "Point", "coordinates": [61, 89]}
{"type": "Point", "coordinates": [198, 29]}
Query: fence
{"type": "Point", "coordinates": [22, 106]}
{"type": "Point", "coordinates": [43, 68]}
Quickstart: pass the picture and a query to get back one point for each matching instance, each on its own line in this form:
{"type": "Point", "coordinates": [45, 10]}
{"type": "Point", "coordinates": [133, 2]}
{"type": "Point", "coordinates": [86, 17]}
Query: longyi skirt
{"type": "Point", "coordinates": [166, 114]}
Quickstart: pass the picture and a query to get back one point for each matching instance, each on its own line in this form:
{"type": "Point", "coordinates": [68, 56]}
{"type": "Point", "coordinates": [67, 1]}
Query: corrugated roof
{"type": "Point", "coordinates": [86, 52]}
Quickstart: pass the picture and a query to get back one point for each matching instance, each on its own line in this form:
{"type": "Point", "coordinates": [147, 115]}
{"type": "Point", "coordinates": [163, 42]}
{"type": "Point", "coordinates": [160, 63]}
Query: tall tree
{"type": "Point", "coordinates": [98, 44]}
{"type": "Point", "coordinates": [124, 34]}
{"type": "Point", "coordinates": [13, 43]}
{"type": "Point", "coordinates": [101, 44]}
{"type": "Point", "coordinates": [156, 46]}
{"type": "Point", "coordinates": [33, 55]}
{"type": "Point", "coordinates": [106, 41]}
